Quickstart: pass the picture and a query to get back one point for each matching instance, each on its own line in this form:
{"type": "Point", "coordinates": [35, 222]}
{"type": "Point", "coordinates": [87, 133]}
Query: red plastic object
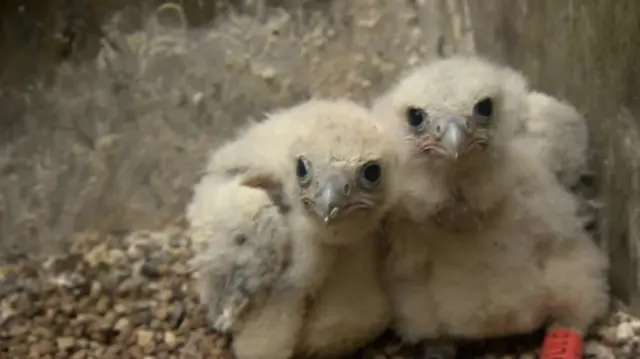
{"type": "Point", "coordinates": [562, 343]}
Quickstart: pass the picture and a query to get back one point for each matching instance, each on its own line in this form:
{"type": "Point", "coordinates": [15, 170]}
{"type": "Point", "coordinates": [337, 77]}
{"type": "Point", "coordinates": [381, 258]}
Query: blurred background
{"type": "Point", "coordinates": [109, 108]}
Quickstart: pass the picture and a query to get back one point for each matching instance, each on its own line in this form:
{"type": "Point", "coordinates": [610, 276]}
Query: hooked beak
{"type": "Point", "coordinates": [454, 136]}
{"type": "Point", "coordinates": [332, 197]}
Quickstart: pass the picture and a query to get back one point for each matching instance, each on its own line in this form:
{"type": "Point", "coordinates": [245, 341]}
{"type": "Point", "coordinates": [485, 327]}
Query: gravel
{"type": "Point", "coordinates": [129, 296]}
{"type": "Point", "coordinates": [109, 297]}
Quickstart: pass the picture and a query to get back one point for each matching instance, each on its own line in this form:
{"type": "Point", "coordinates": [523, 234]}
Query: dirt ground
{"type": "Point", "coordinates": [96, 172]}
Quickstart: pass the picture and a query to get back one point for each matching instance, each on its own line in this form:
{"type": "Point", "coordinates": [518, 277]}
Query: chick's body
{"type": "Point", "coordinates": [485, 240]}
{"type": "Point", "coordinates": [351, 308]}
{"type": "Point", "coordinates": [324, 184]}
{"type": "Point", "coordinates": [255, 270]}
{"type": "Point", "coordinates": [348, 166]}
{"type": "Point", "coordinates": [530, 261]}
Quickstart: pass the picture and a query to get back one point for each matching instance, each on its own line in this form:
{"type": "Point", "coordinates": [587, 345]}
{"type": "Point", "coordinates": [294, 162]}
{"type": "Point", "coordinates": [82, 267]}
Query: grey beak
{"type": "Point", "coordinates": [332, 196]}
{"type": "Point", "coordinates": [454, 135]}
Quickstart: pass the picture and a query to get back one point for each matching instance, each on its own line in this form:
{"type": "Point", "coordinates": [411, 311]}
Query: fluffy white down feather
{"type": "Point", "coordinates": [513, 254]}
{"type": "Point", "coordinates": [317, 282]}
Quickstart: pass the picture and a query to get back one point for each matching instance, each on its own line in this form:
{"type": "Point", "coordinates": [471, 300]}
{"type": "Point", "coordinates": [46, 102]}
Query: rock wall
{"type": "Point", "coordinates": [589, 53]}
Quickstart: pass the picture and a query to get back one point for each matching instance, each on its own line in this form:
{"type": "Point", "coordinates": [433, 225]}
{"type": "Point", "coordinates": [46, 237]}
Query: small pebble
{"type": "Point", "coordinates": [65, 343]}
{"type": "Point", "coordinates": [122, 325]}
{"type": "Point", "coordinates": [170, 340]}
{"type": "Point", "coordinates": [149, 270]}
{"type": "Point", "coordinates": [179, 315]}
{"type": "Point", "coordinates": [609, 335]}
{"type": "Point", "coordinates": [624, 333]}
{"type": "Point", "coordinates": [596, 350]}
{"type": "Point", "coordinates": [144, 338]}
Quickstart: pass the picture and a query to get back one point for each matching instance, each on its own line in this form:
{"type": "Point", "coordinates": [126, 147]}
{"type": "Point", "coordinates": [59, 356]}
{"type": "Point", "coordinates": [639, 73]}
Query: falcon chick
{"type": "Point", "coordinates": [485, 241]}
{"type": "Point", "coordinates": [345, 170]}
{"type": "Point", "coordinates": [307, 209]}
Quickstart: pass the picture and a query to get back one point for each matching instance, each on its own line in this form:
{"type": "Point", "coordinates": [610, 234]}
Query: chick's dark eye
{"type": "Point", "coordinates": [371, 173]}
{"type": "Point", "coordinates": [302, 170]}
{"type": "Point", "coordinates": [416, 117]}
{"type": "Point", "coordinates": [484, 107]}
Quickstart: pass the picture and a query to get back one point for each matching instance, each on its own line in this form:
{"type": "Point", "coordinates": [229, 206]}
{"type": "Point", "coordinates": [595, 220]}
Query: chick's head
{"type": "Point", "coordinates": [343, 169]}
{"type": "Point", "coordinates": [455, 112]}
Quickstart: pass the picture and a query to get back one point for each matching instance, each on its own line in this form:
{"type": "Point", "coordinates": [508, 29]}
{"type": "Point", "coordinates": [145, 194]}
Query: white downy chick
{"type": "Point", "coordinates": [345, 170]}
{"type": "Point", "coordinates": [485, 241]}
{"type": "Point", "coordinates": [322, 167]}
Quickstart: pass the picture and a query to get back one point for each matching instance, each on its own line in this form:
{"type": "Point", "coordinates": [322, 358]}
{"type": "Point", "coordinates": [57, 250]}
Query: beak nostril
{"type": "Point", "coordinates": [438, 130]}
{"type": "Point", "coordinates": [347, 189]}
